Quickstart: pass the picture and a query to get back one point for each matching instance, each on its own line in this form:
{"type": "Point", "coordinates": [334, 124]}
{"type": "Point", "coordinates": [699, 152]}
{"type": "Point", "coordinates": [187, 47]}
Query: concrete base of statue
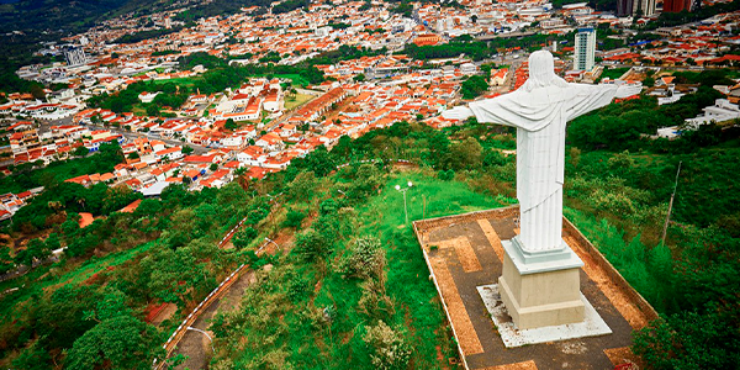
{"type": "Point", "coordinates": [541, 289]}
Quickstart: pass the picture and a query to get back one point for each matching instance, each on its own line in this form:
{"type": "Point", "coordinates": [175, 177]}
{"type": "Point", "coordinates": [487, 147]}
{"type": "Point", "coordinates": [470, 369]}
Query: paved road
{"type": "Point", "coordinates": [195, 345]}
{"type": "Point", "coordinates": [197, 149]}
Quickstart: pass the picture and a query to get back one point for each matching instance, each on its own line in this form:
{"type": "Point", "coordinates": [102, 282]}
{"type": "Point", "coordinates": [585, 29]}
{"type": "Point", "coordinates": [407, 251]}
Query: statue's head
{"type": "Point", "coordinates": [542, 71]}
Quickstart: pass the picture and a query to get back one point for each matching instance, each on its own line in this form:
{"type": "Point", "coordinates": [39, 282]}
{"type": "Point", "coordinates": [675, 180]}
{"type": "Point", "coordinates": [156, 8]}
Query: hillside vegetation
{"type": "Point", "coordinates": [351, 289]}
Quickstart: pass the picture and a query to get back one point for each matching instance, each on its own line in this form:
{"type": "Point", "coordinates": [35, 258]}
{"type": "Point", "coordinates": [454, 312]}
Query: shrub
{"type": "Point", "coordinates": [294, 219]}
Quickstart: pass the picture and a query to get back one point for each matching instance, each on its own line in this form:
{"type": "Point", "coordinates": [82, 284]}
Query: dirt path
{"type": "Point", "coordinates": [194, 344]}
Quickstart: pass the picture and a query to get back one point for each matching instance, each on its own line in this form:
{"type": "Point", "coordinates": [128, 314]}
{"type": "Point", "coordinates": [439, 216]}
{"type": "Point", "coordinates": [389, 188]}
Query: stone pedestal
{"type": "Point", "coordinates": [541, 289]}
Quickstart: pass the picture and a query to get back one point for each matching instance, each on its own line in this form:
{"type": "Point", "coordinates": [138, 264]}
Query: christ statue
{"type": "Point", "coordinates": [539, 110]}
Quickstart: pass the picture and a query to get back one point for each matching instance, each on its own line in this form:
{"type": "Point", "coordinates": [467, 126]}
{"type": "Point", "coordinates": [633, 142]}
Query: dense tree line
{"type": "Point", "coordinates": [10, 82]}
{"type": "Point", "coordinates": [218, 8]}
{"type": "Point", "coordinates": [164, 251]}
{"type": "Point", "coordinates": [149, 34]}
{"type": "Point", "coordinates": [290, 5]}
{"type": "Point", "coordinates": [622, 126]}
{"type": "Point", "coordinates": [479, 50]}
{"type": "Point", "coordinates": [691, 280]}
{"type": "Point", "coordinates": [474, 87]}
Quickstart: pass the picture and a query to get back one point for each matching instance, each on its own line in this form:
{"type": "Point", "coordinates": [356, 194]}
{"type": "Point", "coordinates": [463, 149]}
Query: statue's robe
{"type": "Point", "coordinates": [540, 116]}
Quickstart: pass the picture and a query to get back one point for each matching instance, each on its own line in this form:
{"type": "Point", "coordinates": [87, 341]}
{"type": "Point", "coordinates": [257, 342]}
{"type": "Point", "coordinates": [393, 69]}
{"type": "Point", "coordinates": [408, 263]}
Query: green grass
{"type": "Point", "coordinates": [296, 78]}
{"type": "Point", "coordinates": [415, 298]}
{"type": "Point", "coordinates": [443, 198]}
{"type": "Point", "coordinates": [614, 73]}
{"type": "Point", "coordinates": [37, 281]}
{"type": "Point", "coordinates": [646, 269]}
{"type": "Point", "coordinates": [407, 300]}
{"type": "Point", "coordinates": [184, 81]}
{"type": "Point", "coordinates": [299, 100]}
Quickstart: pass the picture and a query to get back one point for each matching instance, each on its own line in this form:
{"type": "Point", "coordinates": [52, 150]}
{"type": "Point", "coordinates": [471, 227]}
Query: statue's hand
{"type": "Point", "coordinates": [459, 113]}
{"type": "Point", "coordinates": [624, 91]}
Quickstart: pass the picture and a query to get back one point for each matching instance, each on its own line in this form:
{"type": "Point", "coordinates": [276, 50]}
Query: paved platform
{"type": "Point", "coordinates": [464, 252]}
{"type": "Point", "coordinates": [591, 326]}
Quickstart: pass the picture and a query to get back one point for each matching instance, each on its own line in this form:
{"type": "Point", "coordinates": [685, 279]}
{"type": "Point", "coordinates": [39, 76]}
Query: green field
{"type": "Point", "coordinates": [296, 78]}
{"type": "Point", "coordinates": [299, 100]}
{"type": "Point", "coordinates": [184, 81]}
{"type": "Point", "coordinates": [614, 73]}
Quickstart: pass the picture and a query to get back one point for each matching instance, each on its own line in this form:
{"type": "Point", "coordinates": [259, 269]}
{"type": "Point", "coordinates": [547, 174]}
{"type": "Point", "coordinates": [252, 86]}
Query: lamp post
{"type": "Point", "coordinates": [405, 209]}
{"type": "Point", "coordinates": [204, 333]}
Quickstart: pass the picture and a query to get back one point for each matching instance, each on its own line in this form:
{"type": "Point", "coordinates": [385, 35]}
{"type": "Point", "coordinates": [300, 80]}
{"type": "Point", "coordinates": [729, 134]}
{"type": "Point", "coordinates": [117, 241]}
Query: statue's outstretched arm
{"type": "Point", "coordinates": [586, 98]}
{"type": "Point", "coordinates": [499, 110]}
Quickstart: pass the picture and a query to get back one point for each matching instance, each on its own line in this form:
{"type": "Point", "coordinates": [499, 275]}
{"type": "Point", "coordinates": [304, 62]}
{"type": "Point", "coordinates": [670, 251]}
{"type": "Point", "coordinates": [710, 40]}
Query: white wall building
{"type": "Point", "coordinates": [722, 110]}
{"type": "Point", "coordinates": [585, 49]}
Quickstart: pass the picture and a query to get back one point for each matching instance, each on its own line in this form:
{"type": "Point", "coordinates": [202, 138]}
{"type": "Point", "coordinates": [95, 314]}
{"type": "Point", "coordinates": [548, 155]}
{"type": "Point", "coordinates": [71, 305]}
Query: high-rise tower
{"type": "Point", "coordinates": [585, 49]}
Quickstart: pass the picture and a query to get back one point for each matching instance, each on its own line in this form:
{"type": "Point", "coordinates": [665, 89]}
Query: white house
{"type": "Point", "coordinates": [252, 156]}
{"type": "Point", "coordinates": [171, 153]}
{"type": "Point", "coordinates": [147, 97]}
{"type": "Point", "coordinates": [468, 68]}
{"type": "Point", "coordinates": [722, 110]}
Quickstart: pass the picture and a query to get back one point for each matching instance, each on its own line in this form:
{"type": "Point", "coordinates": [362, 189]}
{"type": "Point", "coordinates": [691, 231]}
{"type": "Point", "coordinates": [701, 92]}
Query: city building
{"type": "Point", "coordinates": [675, 6]}
{"type": "Point", "coordinates": [75, 56]}
{"type": "Point", "coordinates": [625, 7]}
{"type": "Point", "coordinates": [644, 8]}
{"type": "Point", "coordinates": [585, 49]}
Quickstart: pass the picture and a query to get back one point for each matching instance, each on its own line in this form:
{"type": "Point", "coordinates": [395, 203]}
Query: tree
{"type": "Point", "coordinates": [230, 125]}
{"type": "Point", "coordinates": [152, 110]}
{"type": "Point", "coordinates": [328, 207]}
{"type": "Point", "coordinates": [359, 78]}
{"type": "Point", "coordinates": [473, 87]}
{"type": "Point", "coordinates": [466, 154]}
{"type": "Point", "coordinates": [133, 155]}
{"type": "Point", "coordinates": [319, 161]}
{"type": "Point", "coordinates": [35, 250]}
{"type": "Point", "coordinates": [302, 186]}
{"type": "Point", "coordinates": [690, 340]}
{"type": "Point", "coordinates": [34, 358]}
{"type": "Point", "coordinates": [311, 245]}
{"type": "Point", "coordinates": [293, 219]}
{"type": "Point", "coordinates": [367, 180]}
{"type": "Point", "coordinates": [37, 91]}
{"type": "Point", "coordinates": [187, 150]}
{"type": "Point", "coordinates": [387, 347]}
{"type": "Point", "coordinates": [365, 259]}
{"type": "Point", "coordinates": [6, 261]}
{"type": "Point", "coordinates": [81, 151]}
{"type": "Point", "coordinates": [52, 242]}
{"type": "Point", "coordinates": [121, 342]}
{"type": "Point", "coordinates": [148, 207]}
{"type": "Point", "coordinates": [213, 167]}
{"type": "Point", "coordinates": [174, 275]}
{"type": "Point", "coordinates": [244, 237]}
{"type": "Point", "coordinates": [446, 175]}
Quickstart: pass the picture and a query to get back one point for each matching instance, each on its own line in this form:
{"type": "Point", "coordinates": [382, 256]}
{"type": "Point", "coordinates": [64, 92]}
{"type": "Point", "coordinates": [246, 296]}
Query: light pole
{"type": "Point", "coordinates": [405, 209]}
{"type": "Point", "coordinates": [204, 333]}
